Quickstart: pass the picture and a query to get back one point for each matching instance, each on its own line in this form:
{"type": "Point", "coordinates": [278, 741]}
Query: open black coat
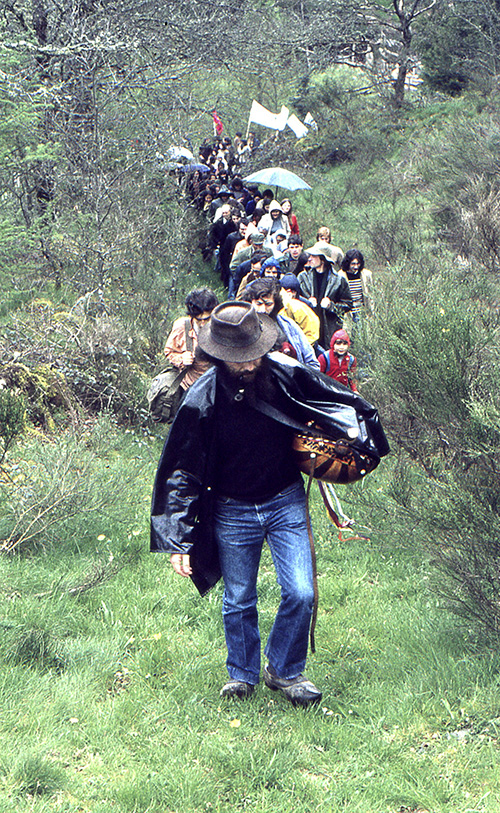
{"type": "Point", "coordinates": [183, 492]}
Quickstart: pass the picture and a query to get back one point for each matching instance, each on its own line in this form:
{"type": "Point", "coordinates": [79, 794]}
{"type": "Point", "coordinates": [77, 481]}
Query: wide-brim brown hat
{"type": "Point", "coordinates": [236, 332]}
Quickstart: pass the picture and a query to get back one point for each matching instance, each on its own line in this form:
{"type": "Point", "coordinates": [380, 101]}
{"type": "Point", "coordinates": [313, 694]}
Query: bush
{"type": "Point", "coordinates": [12, 415]}
{"type": "Point", "coordinates": [352, 121]}
{"type": "Point", "coordinates": [68, 360]}
{"type": "Point", "coordinates": [460, 167]}
{"type": "Point", "coordinates": [68, 489]}
{"type": "Point", "coordinates": [436, 380]}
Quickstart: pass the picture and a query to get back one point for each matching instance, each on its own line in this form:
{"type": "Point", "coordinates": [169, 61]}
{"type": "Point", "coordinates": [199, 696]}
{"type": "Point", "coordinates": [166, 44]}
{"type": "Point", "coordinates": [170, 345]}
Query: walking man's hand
{"type": "Point", "coordinates": [181, 563]}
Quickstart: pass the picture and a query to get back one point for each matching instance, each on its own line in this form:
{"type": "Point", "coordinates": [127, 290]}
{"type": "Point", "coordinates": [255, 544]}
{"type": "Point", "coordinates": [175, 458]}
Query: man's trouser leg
{"type": "Point", "coordinates": [240, 537]}
{"type": "Point", "coordinates": [287, 536]}
{"type": "Point", "coordinates": [240, 529]}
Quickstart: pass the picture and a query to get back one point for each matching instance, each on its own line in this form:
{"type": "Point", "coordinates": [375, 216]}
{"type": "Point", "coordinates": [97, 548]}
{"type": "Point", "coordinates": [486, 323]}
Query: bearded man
{"type": "Point", "coordinates": [228, 479]}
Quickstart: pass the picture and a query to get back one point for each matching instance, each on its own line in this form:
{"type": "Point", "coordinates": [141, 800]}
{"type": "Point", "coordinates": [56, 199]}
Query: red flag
{"type": "Point", "coordinates": [218, 125]}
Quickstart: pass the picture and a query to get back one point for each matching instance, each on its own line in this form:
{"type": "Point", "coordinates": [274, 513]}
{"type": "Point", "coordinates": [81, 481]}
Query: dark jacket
{"type": "Point", "coordinates": [220, 230]}
{"type": "Point", "coordinates": [182, 506]}
{"type": "Point", "coordinates": [337, 290]}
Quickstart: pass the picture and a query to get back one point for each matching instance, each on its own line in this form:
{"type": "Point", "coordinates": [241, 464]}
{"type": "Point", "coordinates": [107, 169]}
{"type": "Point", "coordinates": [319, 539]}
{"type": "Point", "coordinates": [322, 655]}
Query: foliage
{"type": "Point", "coordinates": [447, 45]}
{"type": "Point", "coordinates": [459, 46]}
{"type": "Point", "coordinates": [349, 114]}
{"type": "Point", "coordinates": [62, 488]}
{"type": "Point", "coordinates": [70, 358]}
{"type": "Point", "coordinates": [464, 183]}
{"type": "Point", "coordinates": [437, 372]}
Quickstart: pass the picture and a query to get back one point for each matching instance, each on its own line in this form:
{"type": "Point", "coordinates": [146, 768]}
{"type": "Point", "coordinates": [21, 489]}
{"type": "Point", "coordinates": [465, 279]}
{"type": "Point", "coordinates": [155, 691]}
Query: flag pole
{"type": "Point", "coordinates": [248, 125]}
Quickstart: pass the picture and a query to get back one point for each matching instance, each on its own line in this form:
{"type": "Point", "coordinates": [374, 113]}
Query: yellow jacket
{"type": "Point", "coordinates": [303, 315]}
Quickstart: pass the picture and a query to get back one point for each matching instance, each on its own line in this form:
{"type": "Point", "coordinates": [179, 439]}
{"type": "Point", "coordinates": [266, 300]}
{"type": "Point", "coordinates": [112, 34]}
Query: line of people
{"type": "Point", "coordinates": [308, 311]}
{"type": "Point", "coordinates": [228, 479]}
{"type": "Point", "coordinates": [255, 244]}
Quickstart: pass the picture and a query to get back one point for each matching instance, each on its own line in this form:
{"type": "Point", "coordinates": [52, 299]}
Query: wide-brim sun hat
{"type": "Point", "coordinates": [236, 332]}
{"type": "Point", "coordinates": [321, 249]}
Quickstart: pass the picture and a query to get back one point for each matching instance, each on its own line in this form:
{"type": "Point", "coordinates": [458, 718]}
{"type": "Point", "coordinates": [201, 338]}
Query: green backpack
{"type": "Point", "coordinates": [165, 392]}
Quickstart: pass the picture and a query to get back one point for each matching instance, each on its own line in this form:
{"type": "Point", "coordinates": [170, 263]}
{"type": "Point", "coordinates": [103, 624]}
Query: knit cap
{"type": "Point", "coordinates": [270, 263]}
{"type": "Point", "coordinates": [290, 281]}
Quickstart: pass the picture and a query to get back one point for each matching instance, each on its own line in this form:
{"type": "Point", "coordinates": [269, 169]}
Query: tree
{"type": "Point", "coordinates": [80, 140]}
{"type": "Point", "coordinates": [394, 21]}
{"type": "Point", "coordinates": [459, 46]}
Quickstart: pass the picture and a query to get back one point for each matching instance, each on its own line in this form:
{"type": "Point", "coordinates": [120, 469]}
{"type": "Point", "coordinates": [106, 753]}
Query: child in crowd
{"type": "Point", "coordinates": [338, 363]}
{"type": "Point", "coordinates": [278, 243]}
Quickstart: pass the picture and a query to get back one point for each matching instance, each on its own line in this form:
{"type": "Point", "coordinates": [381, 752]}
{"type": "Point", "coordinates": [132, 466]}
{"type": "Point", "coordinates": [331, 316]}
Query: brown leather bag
{"type": "Point", "coordinates": [333, 461]}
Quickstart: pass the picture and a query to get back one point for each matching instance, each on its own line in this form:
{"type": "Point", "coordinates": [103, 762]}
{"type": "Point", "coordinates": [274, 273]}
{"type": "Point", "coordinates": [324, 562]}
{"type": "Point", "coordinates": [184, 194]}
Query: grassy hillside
{"type": "Point", "coordinates": [112, 666]}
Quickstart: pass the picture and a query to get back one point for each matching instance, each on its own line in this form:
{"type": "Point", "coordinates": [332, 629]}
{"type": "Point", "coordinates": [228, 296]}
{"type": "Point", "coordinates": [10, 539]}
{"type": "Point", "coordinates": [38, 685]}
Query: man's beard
{"type": "Point", "coordinates": [242, 376]}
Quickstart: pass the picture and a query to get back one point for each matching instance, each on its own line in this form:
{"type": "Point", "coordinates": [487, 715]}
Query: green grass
{"type": "Point", "coordinates": [110, 697]}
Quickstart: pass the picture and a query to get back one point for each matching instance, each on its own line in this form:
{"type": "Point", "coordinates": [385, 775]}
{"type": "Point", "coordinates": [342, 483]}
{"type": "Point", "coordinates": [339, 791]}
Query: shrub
{"type": "Point", "coordinates": [436, 380]}
{"type": "Point", "coordinates": [66, 361]}
{"type": "Point", "coordinates": [12, 415]}
{"type": "Point", "coordinates": [68, 489]}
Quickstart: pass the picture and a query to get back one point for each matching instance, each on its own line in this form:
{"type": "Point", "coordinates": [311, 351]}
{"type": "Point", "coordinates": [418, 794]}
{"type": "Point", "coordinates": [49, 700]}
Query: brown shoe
{"type": "Point", "coordinates": [237, 689]}
{"type": "Point", "coordinates": [299, 691]}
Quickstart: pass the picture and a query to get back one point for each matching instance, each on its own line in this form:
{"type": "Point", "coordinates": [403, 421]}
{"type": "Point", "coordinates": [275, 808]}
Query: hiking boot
{"type": "Point", "coordinates": [237, 689]}
{"type": "Point", "coordinates": [299, 691]}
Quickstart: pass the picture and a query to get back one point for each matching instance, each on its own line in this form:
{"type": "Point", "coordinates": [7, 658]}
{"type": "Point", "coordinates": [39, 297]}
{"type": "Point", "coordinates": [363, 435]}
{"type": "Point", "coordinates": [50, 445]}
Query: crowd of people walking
{"type": "Point", "coordinates": [254, 242]}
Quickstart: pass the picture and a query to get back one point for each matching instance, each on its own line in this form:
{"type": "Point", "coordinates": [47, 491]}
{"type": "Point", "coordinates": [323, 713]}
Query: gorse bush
{"type": "Point", "coordinates": [437, 378]}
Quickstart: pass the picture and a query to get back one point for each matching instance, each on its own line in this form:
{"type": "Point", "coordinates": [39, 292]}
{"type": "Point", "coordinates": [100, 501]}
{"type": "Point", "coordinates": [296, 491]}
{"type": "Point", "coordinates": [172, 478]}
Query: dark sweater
{"type": "Point", "coordinates": [254, 453]}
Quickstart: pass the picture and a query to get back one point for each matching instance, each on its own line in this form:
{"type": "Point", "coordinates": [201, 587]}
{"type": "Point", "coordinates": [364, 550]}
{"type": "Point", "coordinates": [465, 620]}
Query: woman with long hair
{"type": "Point", "coordinates": [286, 205]}
{"type": "Point", "coordinates": [360, 281]}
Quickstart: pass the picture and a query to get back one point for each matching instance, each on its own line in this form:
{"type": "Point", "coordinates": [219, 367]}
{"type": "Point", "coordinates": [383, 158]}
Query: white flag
{"type": "Point", "coordinates": [282, 118]}
{"type": "Point", "coordinates": [261, 115]}
{"type": "Point", "coordinates": [310, 121]}
{"type": "Point", "coordinates": [296, 125]}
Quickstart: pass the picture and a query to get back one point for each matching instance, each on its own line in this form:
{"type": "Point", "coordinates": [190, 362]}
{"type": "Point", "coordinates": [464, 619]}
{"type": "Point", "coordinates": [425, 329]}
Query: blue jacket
{"type": "Point", "coordinates": [297, 339]}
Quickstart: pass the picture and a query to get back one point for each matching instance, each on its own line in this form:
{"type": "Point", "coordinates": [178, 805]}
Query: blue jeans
{"type": "Point", "coordinates": [232, 286]}
{"type": "Point", "coordinates": [240, 530]}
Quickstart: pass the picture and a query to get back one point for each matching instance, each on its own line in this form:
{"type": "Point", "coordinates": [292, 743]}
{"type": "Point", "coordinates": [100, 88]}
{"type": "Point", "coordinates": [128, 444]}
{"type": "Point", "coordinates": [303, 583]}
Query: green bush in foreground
{"type": "Point", "coordinates": [67, 489]}
{"type": "Point", "coordinates": [437, 378]}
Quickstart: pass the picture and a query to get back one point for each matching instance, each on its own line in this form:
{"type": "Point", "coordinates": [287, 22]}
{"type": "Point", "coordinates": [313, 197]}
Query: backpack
{"type": "Point", "coordinates": [328, 363]}
{"type": "Point", "coordinates": [165, 392]}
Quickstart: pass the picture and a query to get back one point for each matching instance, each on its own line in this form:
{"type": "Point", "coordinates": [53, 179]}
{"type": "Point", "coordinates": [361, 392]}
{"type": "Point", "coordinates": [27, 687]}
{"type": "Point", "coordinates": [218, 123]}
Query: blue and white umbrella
{"type": "Point", "coordinates": [276, 176]}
